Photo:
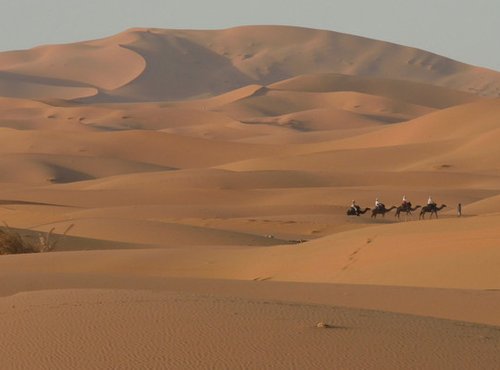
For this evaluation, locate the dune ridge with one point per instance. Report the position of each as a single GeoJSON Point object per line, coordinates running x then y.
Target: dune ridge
{"type": "Point", "coordinates": [154, 63]}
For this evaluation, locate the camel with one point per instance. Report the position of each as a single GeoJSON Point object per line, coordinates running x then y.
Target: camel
{"type": "Point", "coordinates": [350, 211]}
{"type": "Point", "coordinates": [408, 210]}
{"type": "Point", "coordinates": [381, 211]}
{"type": "Point", "coordinates": [432, 208]}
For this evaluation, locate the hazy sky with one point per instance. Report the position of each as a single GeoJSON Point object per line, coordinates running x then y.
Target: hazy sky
{"type": "Point", "coordinates": [465, 30]}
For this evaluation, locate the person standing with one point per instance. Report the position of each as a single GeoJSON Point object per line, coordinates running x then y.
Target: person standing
{"type": "Point", "coordinates": [459, 210]}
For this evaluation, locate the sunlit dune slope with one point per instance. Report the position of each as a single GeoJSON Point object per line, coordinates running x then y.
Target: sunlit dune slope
{"type": "Point", "coordinates": [448, 253]}
{"type": "Point", "coordinates": [460, 138]}
{"type": "Point", "coordinates": [427, 95]}
{"type": "Point", "coordinates": [63, 156]}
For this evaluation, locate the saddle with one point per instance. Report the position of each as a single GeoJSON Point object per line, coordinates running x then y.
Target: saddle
{"type": "Point", "coordinates": [432, 206]}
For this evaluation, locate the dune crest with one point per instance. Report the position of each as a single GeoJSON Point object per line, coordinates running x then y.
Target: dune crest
{"type": "Point", "coordinates": [159, 64]}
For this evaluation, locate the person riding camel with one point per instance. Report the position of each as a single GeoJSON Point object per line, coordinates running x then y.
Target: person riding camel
{"type": "Point", "coordinates": [355, 207]}
{"type": "Point", "coordinates": [405, 204]}
{"type": "Point", "coordinates": [378, 204]}
{"type": "Point", "coordinates": [431, 203]}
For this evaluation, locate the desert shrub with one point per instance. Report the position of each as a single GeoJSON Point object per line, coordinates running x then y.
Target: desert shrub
{"type": "Point", "coordinates": [12, 242]}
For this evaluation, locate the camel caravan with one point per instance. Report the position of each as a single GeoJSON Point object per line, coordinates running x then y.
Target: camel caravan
{"type": "Point", "coordinates": [405, 208]}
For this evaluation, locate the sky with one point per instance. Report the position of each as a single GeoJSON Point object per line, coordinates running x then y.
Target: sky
{"type": "Point", "coordinates": [464, 30]}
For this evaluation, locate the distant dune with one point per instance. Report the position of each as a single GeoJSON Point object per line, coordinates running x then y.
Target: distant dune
{"type": "Point", "coordinates": [157, 64]}
{"type": "Point", "coordinates": [428, 95]}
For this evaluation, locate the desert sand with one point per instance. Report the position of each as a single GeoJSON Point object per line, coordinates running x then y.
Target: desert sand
{"type": "Point", "coordinates": [207, 176]}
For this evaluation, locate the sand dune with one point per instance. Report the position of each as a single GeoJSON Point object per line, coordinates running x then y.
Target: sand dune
{"type": "Point", "coordinates": [462, 254]}
{"type": "Point", "coordinates": [163, 149]}
{"type": "Point", "coordinates": [43, 168]}
{"type": "Point", "coordinates": [410, 92]}
{"type": "Point", "coordinates": [173, 324]}
{"type": "Point", "coordinates": [155, 64]}
{"type": "Point", "coordinates": [92, 63]}
{"type": "Point", "coordinates": [321, 119]}
{"type": "Point", "coordinates": [485, 206]}
{"type": "Point", "coordinates": [464, 121]}
{"type": "Point", "coordinates": [20, 86]}
{"type": "Point", "coordinates": [207, 176]}
{"type": "Point", "coordinates": [276, 103]}
{"type": "Point", "coordinates": [455, 139]}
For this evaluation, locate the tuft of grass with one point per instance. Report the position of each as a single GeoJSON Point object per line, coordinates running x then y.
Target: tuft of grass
{"type": "Point", "coordinates": [11, 242]}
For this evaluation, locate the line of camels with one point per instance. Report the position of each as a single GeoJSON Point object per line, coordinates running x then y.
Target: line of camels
{"type": "Point", "coordinates": [407, 209]}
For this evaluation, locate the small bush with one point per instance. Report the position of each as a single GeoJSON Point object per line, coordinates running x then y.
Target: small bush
{"type": "Point", "coordinates": [11, 242]}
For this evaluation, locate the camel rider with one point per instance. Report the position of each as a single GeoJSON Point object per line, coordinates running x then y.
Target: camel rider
{"type": "Point", "coordinates": [430, 202]}
{"type": "Point", "coordinates": [405, 202]}
{"type": "Point", "coordinates": [354, 207]}
{"type": "Point", "coordinates": [378, 205]}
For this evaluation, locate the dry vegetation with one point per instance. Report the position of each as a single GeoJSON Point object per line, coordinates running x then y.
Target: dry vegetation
{"type": "Point", "coordinates": [12, 242]}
